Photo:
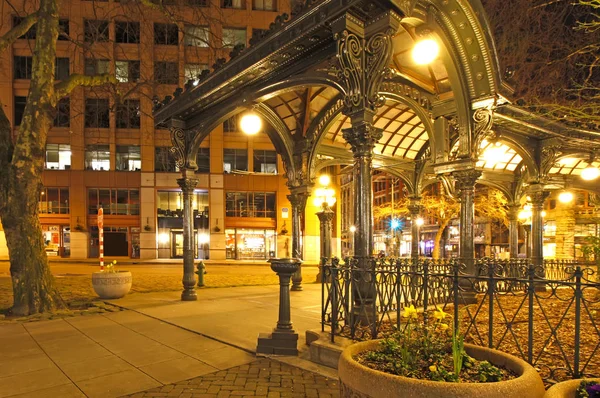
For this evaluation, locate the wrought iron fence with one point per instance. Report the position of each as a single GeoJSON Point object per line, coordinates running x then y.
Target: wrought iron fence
{"type": "Point", "coordinates": [548, 315]}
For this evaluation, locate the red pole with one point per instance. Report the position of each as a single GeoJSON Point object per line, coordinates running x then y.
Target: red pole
{"type": "Point", "coordinates": [101, 237]}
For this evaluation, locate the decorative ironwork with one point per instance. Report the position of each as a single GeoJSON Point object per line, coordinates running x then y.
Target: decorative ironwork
{"type": "Point", "coordinates": [549, 156]}
{"type": "Point", "coordinates": [543, 314]}
{"type": "Point", "coordinates": [181, 140]}
{"type": "Point", "coordinates": [363, 66]}
{"type": "Point", "coordinates": [483, 119]}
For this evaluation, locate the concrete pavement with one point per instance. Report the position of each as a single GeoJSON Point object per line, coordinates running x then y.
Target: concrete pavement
{"type": "Point", "coordinates": [159, 341]}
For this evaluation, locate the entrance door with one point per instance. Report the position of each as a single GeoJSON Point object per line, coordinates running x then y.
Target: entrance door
{"type": "Point", "coordinates": [66, 241]}
{"type": "Point", "coordinates": [177, 244]}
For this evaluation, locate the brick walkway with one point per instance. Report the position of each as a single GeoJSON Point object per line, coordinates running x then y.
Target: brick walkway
{"type": "Point", "coordinates": [262, 378]}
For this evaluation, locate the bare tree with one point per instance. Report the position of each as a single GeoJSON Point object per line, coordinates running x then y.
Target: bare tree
{"type": "Point", "coordinates": [550, 52]}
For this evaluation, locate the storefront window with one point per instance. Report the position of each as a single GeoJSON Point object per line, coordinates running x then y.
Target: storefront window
{"type": "Point", "coordinates": [250, 244]}
{"type": "Point", "coordinates": [170, 224]}
{"type": "Point", "coordinates": [250, 204]}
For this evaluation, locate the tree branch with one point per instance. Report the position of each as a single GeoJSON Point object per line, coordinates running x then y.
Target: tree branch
{"type": "Point", "coordinates": [18, 31]}
{"type": "Point", "coordinates": [65, 87]}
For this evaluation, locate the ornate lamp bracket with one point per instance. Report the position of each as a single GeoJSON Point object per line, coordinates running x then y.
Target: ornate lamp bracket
{"type": "Point", "coordinates": [482, 121]}
{"type": "Point", "coordinates": [182, 145]}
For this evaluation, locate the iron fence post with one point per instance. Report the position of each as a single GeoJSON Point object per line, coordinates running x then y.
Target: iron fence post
{"type": "Point", "coordinates": [578, 296]}
{"type": "Point", "coordinates": [398, 292]}
{"type": "Point", "coordinates": [324, 270]}
{"type": "Point", "coordinates": [491, 286]}
{"type": "Point", "coordinates": [425, 289]}
{"type": "Point", "coordinates": [334, 302]}
{"type": "Point", "coordinates": [376, 292]}
{"type": "Point", "coordinates": [530, 293]}
{"type": "Point", "coordinates": [455, 285]}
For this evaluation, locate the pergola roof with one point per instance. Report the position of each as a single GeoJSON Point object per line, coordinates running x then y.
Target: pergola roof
{"type": "Point", "coordinates": [291, 77]}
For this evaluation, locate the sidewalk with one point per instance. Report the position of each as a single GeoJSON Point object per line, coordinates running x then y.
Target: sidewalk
{"type": "Point", "coordinates": [161, 346]}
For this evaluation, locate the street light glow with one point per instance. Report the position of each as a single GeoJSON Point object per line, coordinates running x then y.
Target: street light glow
{"type": "Point", "coordinates": [420, 221]}
{"type": "Point", "coordinates": [590, 173]}
{"type": "Point", "coordinates": [250, 123]}
{"type": "Point", "coordinates": [565, 197]}
{"type": "Point", "coordinates": [395, 223]}
{"type": "Point", "coordinates": [425, 51]}
{"type": "Point", "coordinates": [352, 229]}
{"type": "Point", "coordinates": [163, 238]}
{"type": "Point", "coordinates": [324, 180]}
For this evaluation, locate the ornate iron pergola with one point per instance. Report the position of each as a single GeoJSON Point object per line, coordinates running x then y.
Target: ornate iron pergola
{"type": "Point", "coordinates": [336, 84]}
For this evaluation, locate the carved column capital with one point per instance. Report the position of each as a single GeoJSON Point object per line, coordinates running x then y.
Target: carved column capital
{"type": "Point", "coordinates": [187, 184]}
{"type": "Point", "coordinates": [537, 194]}
{"type": "Point", "coordinates": [466, 179]}
{"type": "Point", "coordinates": [513, 211]}
{"type": "Point", "coordinates": [414, 205]}
{"type": "Point", "coordinates": [298, 200]}
{"type": "Point", "coordinates": [362, 138]}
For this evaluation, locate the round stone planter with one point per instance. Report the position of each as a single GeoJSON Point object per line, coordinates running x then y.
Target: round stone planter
{"type": "Point", "coordinates": [565, 389]}
{"type": "Point", "coordinates": [358, 381]}
{"type": "Point", "coordinates": [111, 285]}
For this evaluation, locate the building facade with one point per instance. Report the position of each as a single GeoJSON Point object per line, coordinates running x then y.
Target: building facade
{"type": "Point", "coordinates": [104, 150]}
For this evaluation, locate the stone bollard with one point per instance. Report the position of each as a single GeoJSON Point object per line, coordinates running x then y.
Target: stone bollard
{"type": "Point", "coordinates": [283, 340]}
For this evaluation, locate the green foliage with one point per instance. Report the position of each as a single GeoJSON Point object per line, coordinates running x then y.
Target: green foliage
{"type": "Point", "coordinates": [591, 249]}
{"type": "Point", "coordinates": [458, 350]}
{"type": "Point", "coordinates": [429, 351]}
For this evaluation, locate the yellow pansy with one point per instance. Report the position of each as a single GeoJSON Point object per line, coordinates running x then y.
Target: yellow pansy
{"type": "Point", "coordinates": [433, 368]}
{"type": "Point", "coordinates": [443, 326]}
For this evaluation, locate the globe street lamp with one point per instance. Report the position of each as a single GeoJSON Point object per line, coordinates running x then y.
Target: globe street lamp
{"type": "Point", "coordinates": [324, 199]}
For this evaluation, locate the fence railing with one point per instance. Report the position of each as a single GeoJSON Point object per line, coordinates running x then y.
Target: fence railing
{"type": "Point", "coordinates": [548, 315]}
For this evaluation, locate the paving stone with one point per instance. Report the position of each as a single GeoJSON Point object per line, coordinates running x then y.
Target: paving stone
{"type": "Point", "coordinates": [261, 378]}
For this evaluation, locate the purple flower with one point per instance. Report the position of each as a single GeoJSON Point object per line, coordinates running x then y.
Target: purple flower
{"type": "Point", "coordinates": [593, 390]}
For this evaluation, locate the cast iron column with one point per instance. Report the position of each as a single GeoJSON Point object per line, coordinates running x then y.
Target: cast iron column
{"type": "Point", "coordinates": [362, 137]}
{"type": "Point", "coordinates": [325, 218]}
{"type": "Point", "coordinates": [187, 185]}
{"type": "Point", "coordinates": [298, 202]}
{"type": "Point", "coordinates": [537, 195]}
{"type": "Point", "coordinates": [414, 207]}
{"type": "Point", "coordinates": [513, 230]}
{"type": "Point", "coordinates": [465, 184]}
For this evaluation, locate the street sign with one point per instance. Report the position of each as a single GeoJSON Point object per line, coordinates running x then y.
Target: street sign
{"type": "Point", "coordinates": [101, 218]}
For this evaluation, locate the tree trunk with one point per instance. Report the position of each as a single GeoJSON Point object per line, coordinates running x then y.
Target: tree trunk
{"type": "Point", "coordinates": [21, 167]}
{"type": "Point", "coordinates": [438, 239]}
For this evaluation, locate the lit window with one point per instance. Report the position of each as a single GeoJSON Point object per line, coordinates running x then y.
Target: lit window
{"type": "Point", "coordinates": [196, 36]}
{"type": "Point", "coordinates": [58, 156]}
{"type": "Point", "coordinates": [235, 160]}
{"type": "Point", "coordinates": [128, 158]}
{"type": "Point", "coordinates": [97, 157]}
{"type": "Point", "coordinates": [265, 162]}
{"type": "Point", "coordinates": [127, 71]}
{"type": "Point", "coordinates": [234, 36]}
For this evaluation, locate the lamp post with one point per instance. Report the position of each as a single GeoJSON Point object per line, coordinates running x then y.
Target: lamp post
{"type": "Point", "coordinates": [324, 198]}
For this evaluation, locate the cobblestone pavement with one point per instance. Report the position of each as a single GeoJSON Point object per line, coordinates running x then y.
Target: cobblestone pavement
{"type": "Point", "coordinates": [262, 378]}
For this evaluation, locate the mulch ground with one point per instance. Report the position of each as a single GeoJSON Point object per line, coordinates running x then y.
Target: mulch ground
{"type": "Point", "coordinates": [553, 334]}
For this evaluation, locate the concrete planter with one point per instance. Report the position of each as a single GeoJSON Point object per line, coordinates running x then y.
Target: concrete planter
{"type": "Point", "coordinates": [111, 285]}
{"type": "Point", "coordinates": [565, 389]}
{"type": "Point", "coordinates": [358, 381]}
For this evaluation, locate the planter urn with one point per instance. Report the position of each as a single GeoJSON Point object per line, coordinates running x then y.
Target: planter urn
{"type": "Point", "coordinates": [566, 389]}
{"type": "Point", "coordinates": [111, 285]}
{"type": "Point", "coordinates": [359, 381]}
